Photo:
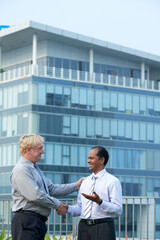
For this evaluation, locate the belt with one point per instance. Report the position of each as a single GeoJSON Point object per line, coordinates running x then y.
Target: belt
{"type": "Point", "coordinates": [91, 222]}
{"type": "Point", "coordinates": [31, 213]}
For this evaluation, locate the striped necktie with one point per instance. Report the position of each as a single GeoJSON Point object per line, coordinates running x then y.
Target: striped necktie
{"type": "Point", "coordinates": [41, 175]}
{"type": "Point", "coordinates": [88, 207]}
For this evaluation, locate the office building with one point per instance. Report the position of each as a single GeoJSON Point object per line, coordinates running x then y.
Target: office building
{"type": "Point", "coordinates": [78, 92]}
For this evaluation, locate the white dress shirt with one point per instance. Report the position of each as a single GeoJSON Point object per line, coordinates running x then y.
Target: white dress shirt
{"type": "Point", "coordinates": [108, 188]}
{"type": "Point", "coordinates": [28, 190]}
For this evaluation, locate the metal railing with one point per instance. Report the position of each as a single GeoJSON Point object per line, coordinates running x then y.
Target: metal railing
{"type": "Point", "coordinates": [140, 219]}
{"type": "Point", "coordinates": [76, 75]}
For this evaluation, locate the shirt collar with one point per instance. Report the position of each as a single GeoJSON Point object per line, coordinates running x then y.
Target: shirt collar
{"type": "Point", "coordinates": [99, 174]}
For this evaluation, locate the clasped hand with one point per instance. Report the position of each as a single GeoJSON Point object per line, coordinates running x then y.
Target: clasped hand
{"type": "Point", "coordinates": [62, 209]}
{"type": "Point", "coordinates": [95, 197]}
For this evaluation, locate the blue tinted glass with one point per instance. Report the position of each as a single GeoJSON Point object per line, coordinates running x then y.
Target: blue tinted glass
{"type": "Point", "coordinates": [120, 161]}
{"type": "Point", "coordinates": [74, 65]}
{"type": "Point", "coordinates": [121, 102]}
{"type": "Point", "coordinates": [50, 62]}
{"type": "Point", "coordinates": [87, 66]}
{"type": "Point", "coordinates": [82, 127]}
{"type": "Point", "coordinates": [81, 66]}
{"type": "Point", "coordinates": [135, 131]}
{"type": "Point", "coordinates": [114, 157]}
{"type": "Point", "coordinates": [128, 102]}
{"type": "Point", "coordinates": [126, 72]}
{"type": "Point", "coordinates": [58, 62]}
{"type": "Point", "coordinates": [150, 132]}
{"type": "Point", "coordinates": [136, 73]}
{"type": "Point", "coordinates": [65, 64]}
{"type": "Point", "coordinates": [120, 71]}
{"type": "Point", "coordinates": [82, 156]}
{"type": "Point", "coordinates": [121, 129]}
{"type": "Point", "coordinates": [136, 104]}
{"type": "Point", "coordinates": [143, 131]}
{"type": "Point", "coordinates": [104, 69]}
{"type": "Point", "coordinates": [128, 130]}
{"type": "Point", "coordinates": [97, 67]}
{"type": "Point", "coordinates": [136, 157]}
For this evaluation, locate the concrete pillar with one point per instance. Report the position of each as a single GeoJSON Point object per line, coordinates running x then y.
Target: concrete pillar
{"type": "Point", "coordinates": [34, 54]}
{"type": "Point", "coordinates": [142, 73]}
{"type": "Point", "coordinates": [91, 65]}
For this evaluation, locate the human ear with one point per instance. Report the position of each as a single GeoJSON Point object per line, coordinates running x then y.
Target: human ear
{"type": "Point", "coordinates": [102, 160]}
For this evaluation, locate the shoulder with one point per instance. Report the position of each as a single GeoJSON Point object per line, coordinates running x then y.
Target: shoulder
{"type": "Point", "coordinates": [86, 180]}
{"type": "Point", "coordinates": [20, 169]}
{"type": "Point", "coordinates": [111, 178]}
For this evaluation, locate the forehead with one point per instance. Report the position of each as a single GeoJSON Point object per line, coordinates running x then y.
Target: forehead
{"type": "Point", "coordinates": [93, 152]}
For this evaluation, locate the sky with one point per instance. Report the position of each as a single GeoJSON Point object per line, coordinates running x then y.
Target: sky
{"type": "Point", "coordinates": [130, 23]}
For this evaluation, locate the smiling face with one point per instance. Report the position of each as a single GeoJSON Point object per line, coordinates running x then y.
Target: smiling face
{"type": "Point", "coordinates": [34, 153]}
{"type": "Point", "coordinates": [96, 164]}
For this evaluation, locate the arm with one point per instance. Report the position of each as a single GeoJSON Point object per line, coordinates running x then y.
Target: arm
{"type": "Point", "coordinates": [114, 205]}
{"type": "Point", "coordinates": [74, 210]}
{"type": "Point", "coordinates": [62, 189]}
{"type": "Point", "coordinates": [25, 185]}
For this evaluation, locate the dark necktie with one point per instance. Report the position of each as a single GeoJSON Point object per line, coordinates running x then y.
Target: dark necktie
{"type": "Point", "coordinates": [88, 207]}
{"type": "Point", "coordinates": [41, 175]}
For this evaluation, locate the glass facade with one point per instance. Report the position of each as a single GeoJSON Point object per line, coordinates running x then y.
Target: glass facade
{"type": "Point", "coordinates": [74, 118]}
{"type": "Point", "coordinates": [74, 115]}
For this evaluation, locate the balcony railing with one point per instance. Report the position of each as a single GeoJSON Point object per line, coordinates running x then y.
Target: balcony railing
{"type": "Point", "coordinates": [76, 75]}
{"type": "Point", "coordinates": [140, 219]}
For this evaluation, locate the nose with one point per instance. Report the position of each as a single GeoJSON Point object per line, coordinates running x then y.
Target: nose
{"type": "Point", "coordinates": [43, 151]}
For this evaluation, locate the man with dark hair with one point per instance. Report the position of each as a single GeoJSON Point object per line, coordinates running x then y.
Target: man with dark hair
{"type": "Point", "coordinates": [99, 200]}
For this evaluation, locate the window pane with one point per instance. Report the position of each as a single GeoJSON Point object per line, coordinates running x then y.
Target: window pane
{"type": "Point", "coordinates": [74, 155]}
{"type": "Point", "coordinates": [98, 126]}
{"type": "Point", "coordinates": [90, 127]}
{"type": "Point", "coordinates": [49, 153]}
{"type": "Point", "coordinates": [135, 131]}
{"type": "Point", "coordinates": [150, 132]}
{"type": "Point", "coordinates": [82, 156]}
{"type": "Point", "coordinates": [113, 101]}
{"type": "Point", "coordinates": [157, 133]}
{"type": "Point", "coordinates": [106, 103]}
{"type": "Point", "coordinates": [128, 130]}
{"type": "Point", "coordinates": [142, 131]}
{"type": "Point", "coordinates": [41, 94]}
{"type": "Point", "coordinates": [121, 102]}
{"type": "Point", "coordinates": [106, 128]}
{"type": "Point", "coordinates": [82, 127]}
{"type": "Point", "coordinates": [74, 125]}
{"type": "Point", "coordinates": [128, 104]}
{"type": "Point", "coordinates": [143, 105]}
{"type": "Point", "coordinates": [57, 154]}
{"type": "Point", "coordinates": [136, 104]}
{"type": "Point", "coordinates": [114, 128]}
{"type": "Point", "coordinates": [98, 100]}
{"type": "Point", "coordinates": [90, 99]}
{"type": "Point", "coordinates": [121, 129]}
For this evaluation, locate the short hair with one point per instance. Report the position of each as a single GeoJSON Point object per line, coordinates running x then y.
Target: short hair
{"type": "Point", "coordinates": [102, 152]}
{"type": "Point", "coordinates": [29, 140]}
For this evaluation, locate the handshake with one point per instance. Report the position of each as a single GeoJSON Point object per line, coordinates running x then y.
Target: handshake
{"type": "Point", "coordinates": [62, 209]}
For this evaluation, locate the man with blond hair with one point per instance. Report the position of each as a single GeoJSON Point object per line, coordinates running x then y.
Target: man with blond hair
{"type": "Point", "coordinates": [33, 193]}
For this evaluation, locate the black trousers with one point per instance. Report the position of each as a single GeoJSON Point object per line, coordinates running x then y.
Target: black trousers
{"type": "Point", "coordinates": [100, 231]}
{"type": "Point", "coordinates": [26, 226]}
